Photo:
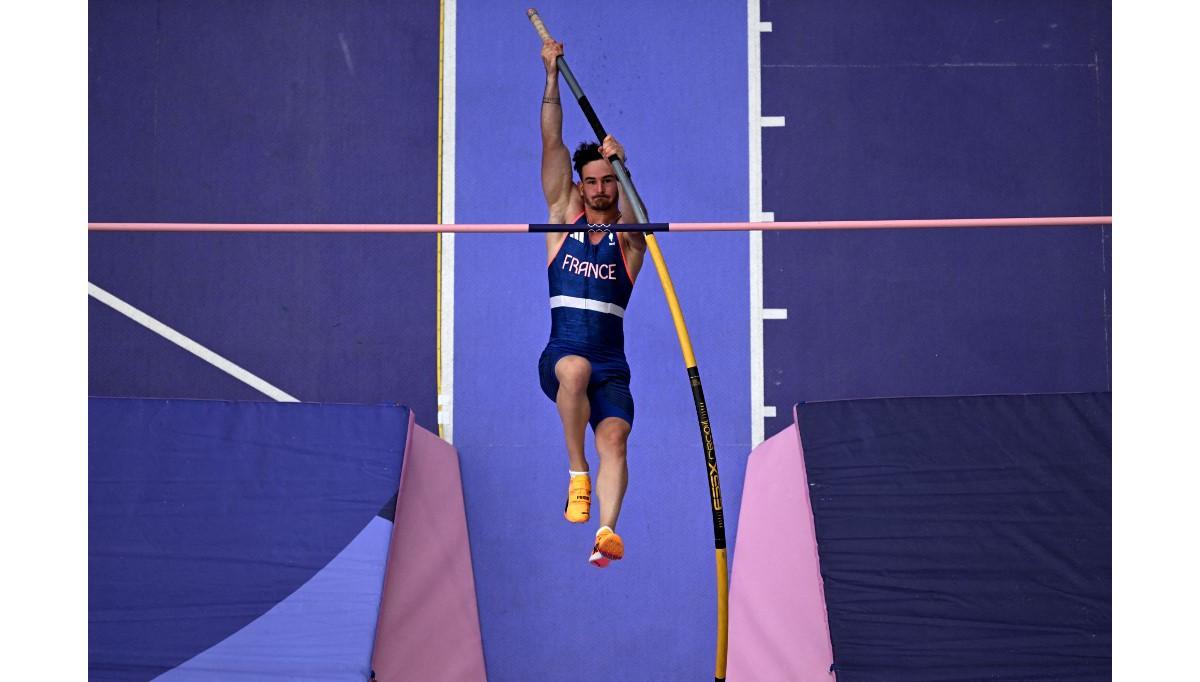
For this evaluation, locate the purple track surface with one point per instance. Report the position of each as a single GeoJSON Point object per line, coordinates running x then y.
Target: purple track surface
{"type": "Point", "coordinates": [674, 94]}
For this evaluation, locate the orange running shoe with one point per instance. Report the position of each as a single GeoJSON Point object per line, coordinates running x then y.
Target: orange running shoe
{"type": "Point", "coordinates": [579, 500]}
{"type": "Point", "coordinates": [608, 548]}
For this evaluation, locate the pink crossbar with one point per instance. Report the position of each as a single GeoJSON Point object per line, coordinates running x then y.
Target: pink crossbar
{"type": "Point", "coordinates": [1060, 221]}
{"type": "Point", "coordinates": [302, 227]}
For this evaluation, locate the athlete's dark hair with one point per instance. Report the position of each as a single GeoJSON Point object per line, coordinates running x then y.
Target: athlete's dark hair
{"type": "Point", "coordinates": [586, 153]}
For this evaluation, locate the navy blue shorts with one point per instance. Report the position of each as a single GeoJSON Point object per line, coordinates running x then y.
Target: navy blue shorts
{"type": "Point", "coordinates": [608, 387]}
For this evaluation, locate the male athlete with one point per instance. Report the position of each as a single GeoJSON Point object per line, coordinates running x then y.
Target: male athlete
{"type": "Point", "coordinates": [592, 271]}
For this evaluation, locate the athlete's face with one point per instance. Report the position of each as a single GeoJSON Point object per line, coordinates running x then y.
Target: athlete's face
{"type": "Point", "coordinates": [599, 186]}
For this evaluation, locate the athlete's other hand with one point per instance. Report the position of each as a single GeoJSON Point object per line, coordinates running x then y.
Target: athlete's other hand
{"type": "Point", "coordinates": [551, 51]}
{"type": "Point", "coordinates": [610, 147]}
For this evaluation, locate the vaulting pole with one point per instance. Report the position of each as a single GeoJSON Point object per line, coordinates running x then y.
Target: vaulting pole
{"type": "Point", "coordinates": [689, 359]}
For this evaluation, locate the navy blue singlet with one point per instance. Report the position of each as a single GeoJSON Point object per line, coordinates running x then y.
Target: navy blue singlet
{"type": "Point", "coordinates": [589, 291]}
{"type": "Point", "coordinates": [590, 288]}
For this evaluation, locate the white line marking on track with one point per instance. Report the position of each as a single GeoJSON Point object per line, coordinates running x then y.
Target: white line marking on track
{"type": "Point", "coordinates": [449, 78]}
{"type": "Point", "coordinates": [772, 121]}
{"type": "Point", "coordinates": [754, 95]}
{"type": "Point", "coordinates": [768, 410]}
{"type": "Point", "coordinates": [189, 345]}
{"type": "Point", "coordinates": [764, 26]}
{"type": "Point", "coordinates": [774, 313]}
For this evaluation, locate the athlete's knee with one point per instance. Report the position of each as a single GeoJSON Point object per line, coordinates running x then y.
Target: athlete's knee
{"type": "Point", "coordinates": [612, 437]}
{"type": "Point", "coordinates": [573, 373]}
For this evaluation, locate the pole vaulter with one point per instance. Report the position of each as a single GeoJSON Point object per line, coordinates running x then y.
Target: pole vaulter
{"type": "Point", "coordinates": [648, 229]}
{"type": "Point", "coordinates": [689, 359]}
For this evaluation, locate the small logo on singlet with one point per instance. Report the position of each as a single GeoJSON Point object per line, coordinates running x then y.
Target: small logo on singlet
{"type": "Point", "coordinates": [601, 227]}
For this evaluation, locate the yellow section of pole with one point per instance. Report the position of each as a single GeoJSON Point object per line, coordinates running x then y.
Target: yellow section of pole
{"type": "Point", "coordinates": [660, 264]}
{"type": "Point", "coordinates": [689, 359]}
{"type": "Point", "coordinates": [722, 612]}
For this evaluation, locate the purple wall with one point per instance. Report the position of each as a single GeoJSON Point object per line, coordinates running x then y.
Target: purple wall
{"type": "Point", "coordinates": [929, 109]}
{"type": "Point", "coordinates": [265, 112]}
{"type": "Point", "coordinates": [271, 111]}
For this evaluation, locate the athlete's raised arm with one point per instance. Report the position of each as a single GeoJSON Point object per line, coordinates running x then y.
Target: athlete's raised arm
{"type": "Point", "coordinates": [556, 160]}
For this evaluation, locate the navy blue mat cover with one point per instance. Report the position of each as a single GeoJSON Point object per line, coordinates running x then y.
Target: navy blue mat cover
{"type": "Point", "coordinates": [243, 538]}
{"type": "Point", "coordinates": [964, 538]}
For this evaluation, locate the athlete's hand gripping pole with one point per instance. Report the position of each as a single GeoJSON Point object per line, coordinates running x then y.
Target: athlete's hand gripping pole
{"type": "Point", "coordinates": [685, 345]}
{"type": "Point", "coordinates": [618, 166]}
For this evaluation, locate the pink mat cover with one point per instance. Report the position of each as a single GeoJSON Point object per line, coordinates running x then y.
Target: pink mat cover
{"type": "Point", "coordinates": [778, 625]}
{"type": "Point", "coordinates": [428, 626]}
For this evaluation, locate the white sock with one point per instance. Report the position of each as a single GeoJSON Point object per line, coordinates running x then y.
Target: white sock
{"type": "Point", "coordinates": [577, 473]}
{"type": "Point", "coordinates": [602, 528]}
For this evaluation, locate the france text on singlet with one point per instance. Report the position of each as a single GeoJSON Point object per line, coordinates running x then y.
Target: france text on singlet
{"type": "Point", "coordinates": [589, 291]}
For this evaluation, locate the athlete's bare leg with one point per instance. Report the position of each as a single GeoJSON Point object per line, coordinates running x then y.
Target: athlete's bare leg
{"type": "Point", "coordinates": [573, 373]}
{"type": "Point", "coordinates": [612, 435]}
